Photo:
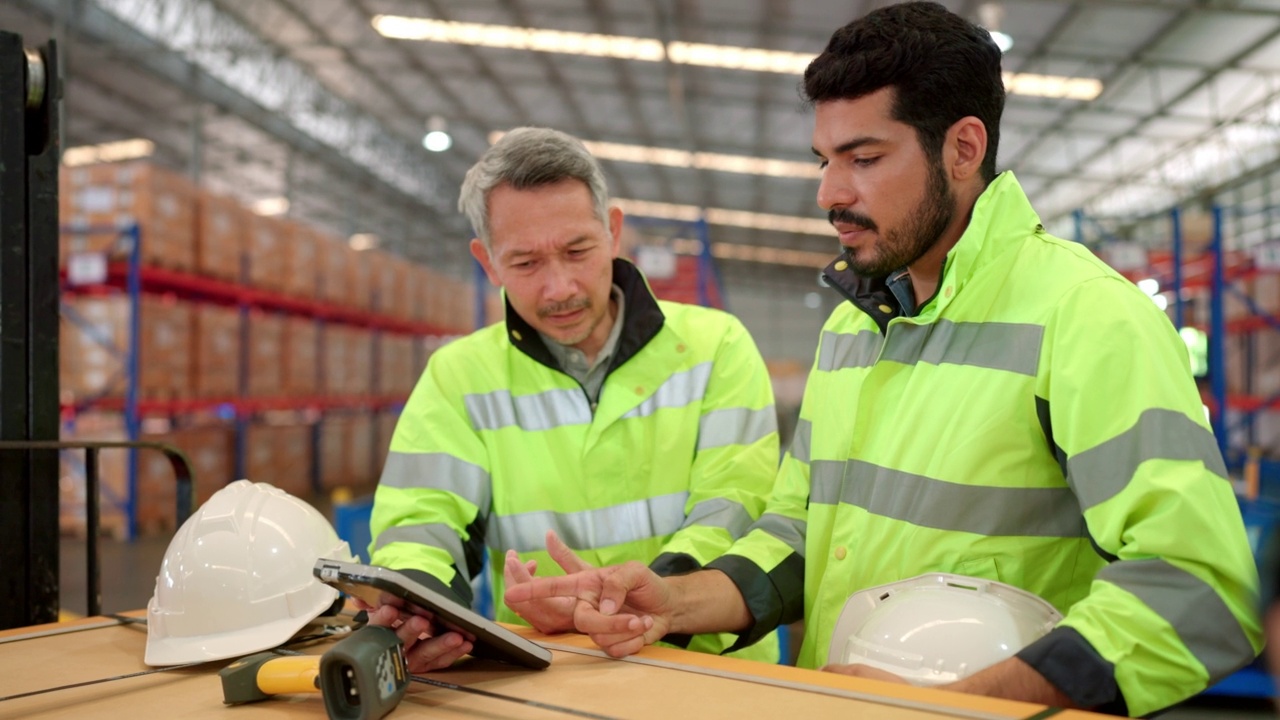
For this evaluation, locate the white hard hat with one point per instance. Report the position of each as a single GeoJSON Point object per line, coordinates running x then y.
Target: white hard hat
{"type": "Point", "coordinates": [938, 628]}
{"type": "Point", "coordinates": [237, 579]}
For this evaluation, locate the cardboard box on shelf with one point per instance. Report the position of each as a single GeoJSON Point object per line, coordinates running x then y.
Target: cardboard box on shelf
{"type": "Point", "coordinates": [396, 374]}
{"type": "Point", "coordinates": [267, 251]}
{"type": "Point", "coordinates": [335, 361]}
{"type": "Point", "coordinates": [112, 477]}
{"type": "Point", "coordinates": [115, 195]}
{"type": "Point", "coordinates": [347, 457]}
{"type": "Point", "coordinates": [221, 226]}
{"type": "Point", "coordinates": [211, 452]}
{"type": "Point", "coordinates": [301, 262]}
{"type": "Point", "coordinates": [301, 356]}
{"type": "Point", "coordinates": [280, 454]}
{"type": "Point", "coordinates": [215, 367]}
{"type": "Point", "coordinates": [360, 356]}
{"type": "Point", "coordinates": [94, 338]}
{"type": "Point", "coordinates": [332, 454]}
{"type": "Point", "coordinates": [386, 424]}
{"type": "Point", "coordinates": [358, 279]}
{"type": "Point", "coordinates": [331, 263]}
{"type": "Point", "coordinates": [266, 354]}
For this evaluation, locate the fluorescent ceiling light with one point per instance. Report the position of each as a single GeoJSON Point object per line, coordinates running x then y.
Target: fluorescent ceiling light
{"type": "Point", "coordinates": [108, 152]}
{"type": "Point", "coordinates": [722, 216]}
{"type": "Point", "coordinates": [1002, 40]}
{"type": "Point", "coordinates": [363, 241]}
{"type": "Point", "coordinates": [754, 253]}
{"type": "Point", "coordinates": [437, 141]}
{"type": "Point", "coordinates": [271, 206]}
{"type": "Point", "coordinates": [673, 157]}
{"type": "Point", "coordinates": [652, 50]}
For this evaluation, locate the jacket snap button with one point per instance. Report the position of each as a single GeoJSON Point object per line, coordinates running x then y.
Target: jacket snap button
{"type": "Point", "coordinates": [841, 266]}
{"type": "Point", "coordinates": [886, 309]}
{"type": "Point", "coordinates": [516, 334]}
{"type": "Point", "coordinates": [841, 552]}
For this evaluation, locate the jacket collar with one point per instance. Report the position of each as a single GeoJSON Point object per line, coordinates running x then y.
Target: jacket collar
{"type": "Point", "coordinates": [640, 322]}
{"type": "Point", "coordinates": [1001, 216]}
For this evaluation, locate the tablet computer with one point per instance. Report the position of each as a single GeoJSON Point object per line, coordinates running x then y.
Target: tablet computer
{"type": "Point", "coordinates": [379, 586]}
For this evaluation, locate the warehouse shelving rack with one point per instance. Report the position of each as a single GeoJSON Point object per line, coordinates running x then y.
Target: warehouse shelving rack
{"type": "Point", "coordinates": [132, 278]}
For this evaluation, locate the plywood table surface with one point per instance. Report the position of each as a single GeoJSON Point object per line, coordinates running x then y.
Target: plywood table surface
{"type": "Point", "coordinates": [658, 683]}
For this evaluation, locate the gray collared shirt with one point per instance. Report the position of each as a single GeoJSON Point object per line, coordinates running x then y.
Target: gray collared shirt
{"type": "Point", "coordinates": [574, 361]}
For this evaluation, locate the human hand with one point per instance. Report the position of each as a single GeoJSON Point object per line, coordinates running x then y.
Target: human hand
{"type": "Point", "coordinates": [547, 615]}
{"type": "Point", "coordinates": [864, 671]}
{"type": "Point", "coordinates": [426, 647]}
{"type": "Point", "coordinates": [622, 607]}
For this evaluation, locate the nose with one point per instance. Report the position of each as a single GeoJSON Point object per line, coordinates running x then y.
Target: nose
{"type": "Point", "coordinates": [834, 190]}
{"type": "Point", "coordinates": [558, 283]}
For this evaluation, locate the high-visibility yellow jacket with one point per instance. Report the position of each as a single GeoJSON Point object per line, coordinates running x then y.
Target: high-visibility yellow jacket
{"type": "Point", "coordinates": [1035, 423]}
{"type": "Point", "coordinates": [497, 444]}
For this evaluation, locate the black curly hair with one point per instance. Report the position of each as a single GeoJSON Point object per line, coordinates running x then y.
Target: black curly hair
{"type": "Point", "coordinates": [941, 67]}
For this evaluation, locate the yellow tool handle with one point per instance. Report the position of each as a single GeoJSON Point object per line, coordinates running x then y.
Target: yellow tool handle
{"type": "Point", "coordinates": [295, 674]}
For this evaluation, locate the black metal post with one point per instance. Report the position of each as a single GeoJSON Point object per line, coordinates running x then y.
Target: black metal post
{"type": "Point", "coordinates": [91, 516]}
{"type": "Point", "coordinates": [29, 408]}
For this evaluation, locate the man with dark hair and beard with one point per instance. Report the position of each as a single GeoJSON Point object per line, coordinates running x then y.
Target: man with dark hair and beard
{"type": "Point", "coordinates": [991, 402]}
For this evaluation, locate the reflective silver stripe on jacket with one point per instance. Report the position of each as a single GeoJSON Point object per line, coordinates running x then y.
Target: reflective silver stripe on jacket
{"type": "Point", "coordinates": [838, 351]}
{"type": "Point", "coordinates": [436, 535]}
{"type": "Point", "coordinates": [438, 471]}
{"type": "Point", "coordinates": [539, 411]}
{"type": "Point", "coordinates": [590, 529]}
{"type": "Point", "coordinates": [1101, 472]}
{"type": "Point", "coordinates": [801, 440]}
{"type": "Point", "coordinates": [1191, 606]}
{"type": "Point", "coordinates": [677, 391]}
{"type": "Point", "coordinates": [983, 510]}
{"type": "Point", "coordinates": [736, 426]}
{"type": "Point", "coordinates": [788, 530]}
{"type": "Point", "coordinates": [1014, 347]}
{"type": "Point", "coordinates": [720, 513]}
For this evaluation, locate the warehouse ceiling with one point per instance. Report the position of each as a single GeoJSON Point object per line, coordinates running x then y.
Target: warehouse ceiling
{"type": "Point", "coordinates": [305, 99]}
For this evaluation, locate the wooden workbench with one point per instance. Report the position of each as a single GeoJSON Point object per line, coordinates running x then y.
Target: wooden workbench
{"type": "Point", "coordinates": [657, 683]}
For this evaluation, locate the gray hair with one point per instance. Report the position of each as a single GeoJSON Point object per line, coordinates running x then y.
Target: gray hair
{"type": "Point", "coordinates": [527, 158]}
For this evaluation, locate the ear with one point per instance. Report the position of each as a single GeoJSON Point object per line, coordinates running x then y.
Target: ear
{"type": "Point", "coordinates": [615, 229]}
{"type": "Point", "coordinates": [481, 254]}
{"type": "Point", "coordinates": [964, 148]}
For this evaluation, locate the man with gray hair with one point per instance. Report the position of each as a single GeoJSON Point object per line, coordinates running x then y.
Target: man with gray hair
{"type": "Point", "coordinates": [594, 417]}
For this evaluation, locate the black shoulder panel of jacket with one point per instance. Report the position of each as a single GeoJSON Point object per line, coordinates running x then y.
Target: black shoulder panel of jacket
{"type": "Point", "coordinates": [640, 323]}
{"type": "Point", "coordinates": [1071, 664]}
{"type": "Point", "coordinates": [769, 606]}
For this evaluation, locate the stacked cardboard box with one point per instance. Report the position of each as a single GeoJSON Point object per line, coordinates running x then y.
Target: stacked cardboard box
{"type": "Point", "coordinates": [386, 424]}
{"type": "Point", "coordinates": [221, 226]}
{"type": "Point", "coordinates": [266, 354]}
{"type": "Point", "coordinates": [162, 203]}
{"type": "Point", "coordinates": [215, 367]}
{"type": "Point", "coordinates": [300, 260]}
{"type": "Point", "coordinates": [347, 451]}
{"type": "Point", "coordinates": [301, 366]}
{"type": "Point", "coordinates": [396, 373]}
{"type": "Point", "coordinates": [112, 476]}
{"type": "Point", "coordinates": [210, 450]}
{"type": "Point", "coordinates": [331, 264]}
{"type": "Point", "coordinates": [267, 249]}
{"type": "Point", "coordinates": [280, 455]}
{"type": "Point", "coordinates": [95, 342]}
{"type": "Point", "coordinates": [359, 281]}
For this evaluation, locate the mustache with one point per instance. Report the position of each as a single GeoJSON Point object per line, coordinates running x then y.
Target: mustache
{"type": "Point", "coordinates": [849, 217]}
{"type": "Point", "coordinates": [564, 307]}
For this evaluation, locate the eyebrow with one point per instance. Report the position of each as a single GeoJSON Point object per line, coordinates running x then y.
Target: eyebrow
{"type": "Point", "coordinates": [853, 144]}
{"type": "Point", "coordinates": [572, 243]}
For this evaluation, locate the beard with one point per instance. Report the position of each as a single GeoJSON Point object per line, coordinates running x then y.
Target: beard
{"type": "Point", "coordinates": [901, 246]}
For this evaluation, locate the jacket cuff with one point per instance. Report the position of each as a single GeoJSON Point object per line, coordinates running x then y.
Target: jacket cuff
{"type": "Point", "coordinates": [1071, 664]}
{"type": "Point", "coordinates": [668, 564]}
{"type": "Point", "coordinates": [766, 594]}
